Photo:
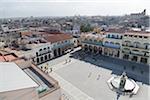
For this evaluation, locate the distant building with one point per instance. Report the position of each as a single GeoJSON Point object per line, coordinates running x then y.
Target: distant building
{"type": "Point", "coordinates": [8, 36]}
{"type": "Point", "coordinates": [139, 14]}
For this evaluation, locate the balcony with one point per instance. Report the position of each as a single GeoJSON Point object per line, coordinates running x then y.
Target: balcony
{"type": "Point", "coordinates": [112, 45]}
{"type": "Point", "coordinates": [138, 47]}
{"type": "Point", "coordinates": [126, 51]}
{"type": "Point", "coordinates": [114, 36]}
{"type": "Point", "coordinates": [62, 45]}
{"type": "Point", "coordinates": [43, 52]}
{"type": "Point", "coordinates": [93, 43]}
{"type": "Point", "coordinates": [137, 53]}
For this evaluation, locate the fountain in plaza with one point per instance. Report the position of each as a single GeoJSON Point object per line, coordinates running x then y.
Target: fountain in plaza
{"type": "Point", "coordinates": [123, 85]}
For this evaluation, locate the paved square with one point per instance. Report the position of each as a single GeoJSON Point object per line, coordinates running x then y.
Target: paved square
{"type": "Point", "coordinates": [92, 79]}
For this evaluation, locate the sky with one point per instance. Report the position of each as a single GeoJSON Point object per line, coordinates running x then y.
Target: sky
{"type": "Point", "coordinates": [26, 8]}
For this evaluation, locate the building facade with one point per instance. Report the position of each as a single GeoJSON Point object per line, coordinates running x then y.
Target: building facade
{"type": "Point", "coordinates": [42, 53]}
{"type": "Point", "coordinates": [136, 47]}
{"type": "Point", "coordinates": [56, 45]}
{"type": "Point", "coordinates": [131, 46]}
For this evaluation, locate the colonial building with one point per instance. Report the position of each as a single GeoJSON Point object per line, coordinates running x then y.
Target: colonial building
{"type": "Point", "coordinates": [112, 43]}
{"type": "Point", "coordinates": [9, 37]}
{"type": "Point", "coordinates": [56, 45]}
{"type": "Point", "coordinates": [42, 53]}
{"type": "Point", "coordinates": [136, 47]}
{"type": "Point", "coordinates": [92, 43]}
{"type": "Point", "coordinates": [60, 43]}
{"type": "Point", "coordinates": [132, 46]}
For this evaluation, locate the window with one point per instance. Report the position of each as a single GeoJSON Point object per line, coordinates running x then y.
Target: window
{"type": "Point", "coordinates": [140, 36]}
{"type": "Point", "coordinates": [108, 35]}
{"type": "Point", "coordinates": [134, 58]}
{"type": "Point", "coordinates": [36, 53]}
{"type": "Point", "coordinates": [106, 42]}
{"type": "Point", "coordinates": [95, 40]}
{"type": "Point", "coordinates": [113, 36]}
{"type": "Point", "coordinates": [90, 39]}
{"type": "Point", "coordinates": [49, 56]}
{"type": "Point", "coordinates": [125, 35]}
{"type": "Point", "coordinates": [40, 50]}
{"type": "Point", "coordinates": [146, 45]}
{"type": "Point", "coordinates": [144, 60]}
{"type": "Point", "coordinates": [126, 56]}
{"type": "Point", "coordinates": [41, 59]}
{"type": "Point", "coordinates": [117, 43]}
{"type": "Point", "coordinates": [45, 57]}
{"type": "Point", "coordinates": [145, 37]}
{"type": "Point", "coordinates": [135, 36]}
{"type": "Point", "coordinates": [120, 37]}
{"type": "Point", "coordinates": [111, 42]}
{"type": "Point", "coordinates": [37, 60]}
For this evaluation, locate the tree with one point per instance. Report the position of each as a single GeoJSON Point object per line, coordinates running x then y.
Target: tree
{"type": "Point", "coordinates": [86, 28]}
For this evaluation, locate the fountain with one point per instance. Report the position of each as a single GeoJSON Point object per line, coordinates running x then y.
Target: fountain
{"type": "Point", "coordinates": [123, 85]}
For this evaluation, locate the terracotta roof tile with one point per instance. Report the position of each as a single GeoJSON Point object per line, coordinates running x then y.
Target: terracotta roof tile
{"type": "Point", "coordinates": [2, 59]}
{"type": "Point", "coordinates": [57, 37]}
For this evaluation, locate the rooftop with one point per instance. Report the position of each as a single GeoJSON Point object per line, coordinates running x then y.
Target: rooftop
{"type": "Point", "coordinates": [13, 78]}
{"type": "Point", "coordinates": [7, 57]}
{"type": "Point", "coordinates": [138, 33]}
{"type": "Point", "coordinates": [57, 37]}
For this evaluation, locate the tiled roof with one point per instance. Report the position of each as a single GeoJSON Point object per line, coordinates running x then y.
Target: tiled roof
{"type": "Point", "coordinates": [116, 30]}
{"type": "Point", "coordinates": [2, 59]}
{"type": "Point", "coordinates": [138, 33]}
{"type": "Point", "coordinates": [57, 37]}
{"type": "Point", "coordinates": [7, 57]}
{"type": "Point", "coordinates": [26, 33]}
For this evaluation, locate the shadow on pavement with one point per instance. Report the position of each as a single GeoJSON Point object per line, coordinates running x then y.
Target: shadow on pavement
{"type": "Point", "coordinates": [138, 72]}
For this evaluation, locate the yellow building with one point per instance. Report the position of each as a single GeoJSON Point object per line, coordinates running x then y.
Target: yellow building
{"type": "Point", "coordinates": [131, 46]}
{"type": "Point", "coordinates": [112, 44]}
{"type": "Point", "coordinates": [136, 47]}
{"type": "Point", "coordinates": [92, 43]}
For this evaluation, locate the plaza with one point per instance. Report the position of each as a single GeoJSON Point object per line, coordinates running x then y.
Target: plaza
{"type": "Point", "coordinates": [90, 79]}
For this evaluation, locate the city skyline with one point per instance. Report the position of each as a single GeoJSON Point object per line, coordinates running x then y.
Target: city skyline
{"type": "Point", "coordinates": [36, 8]}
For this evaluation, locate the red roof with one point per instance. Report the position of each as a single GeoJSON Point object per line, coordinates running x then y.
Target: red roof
{"type": "Point", "coordinates": [2, 59]}
{"type": "Point", "coordinates": [9, 57]}
{"type": "Point", "coordinates": [57, 37]}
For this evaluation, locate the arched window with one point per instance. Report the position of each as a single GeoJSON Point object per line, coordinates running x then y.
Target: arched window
{"type": "Point", "coordinates": [108, 35]}
{"type": "Point", "coordinates": [117, 43]}
{"type": "Point", "coordinates": [37, 60]}
{"type": "Point", "coordinates": [40, 50]}
{"type": "Point", "coordinates": [45, 57]}
{"type": "Point", "coordinates": [146, 45]}
{"type": "Point", "coordinates": [136, 44]}
{"type": "Point", "coordinates": [121, 37]}
{"type": "Point", "coordinates": [41, 59]}
{"type": "Point", "coordinates": [49, 56]}
{"type": "Point", "coordinates": [90, 39]}
{"type": "Point", "coordinates": [36, 53]}
{"type": "Point", "coordinates": [106, 42]}
{"type": "Point", "coordinates": [111, 42]}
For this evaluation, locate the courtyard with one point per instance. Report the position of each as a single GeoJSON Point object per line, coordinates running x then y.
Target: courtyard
{"type": "Point", "coordinates": [87, 79]}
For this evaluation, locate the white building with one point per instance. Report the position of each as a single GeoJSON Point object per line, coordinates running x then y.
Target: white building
{"type": "Point", "coordinates": [26, 83]}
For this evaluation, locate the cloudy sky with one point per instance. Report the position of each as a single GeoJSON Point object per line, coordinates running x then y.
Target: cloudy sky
{"type": "Point", "coordinates": [25, 8]}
